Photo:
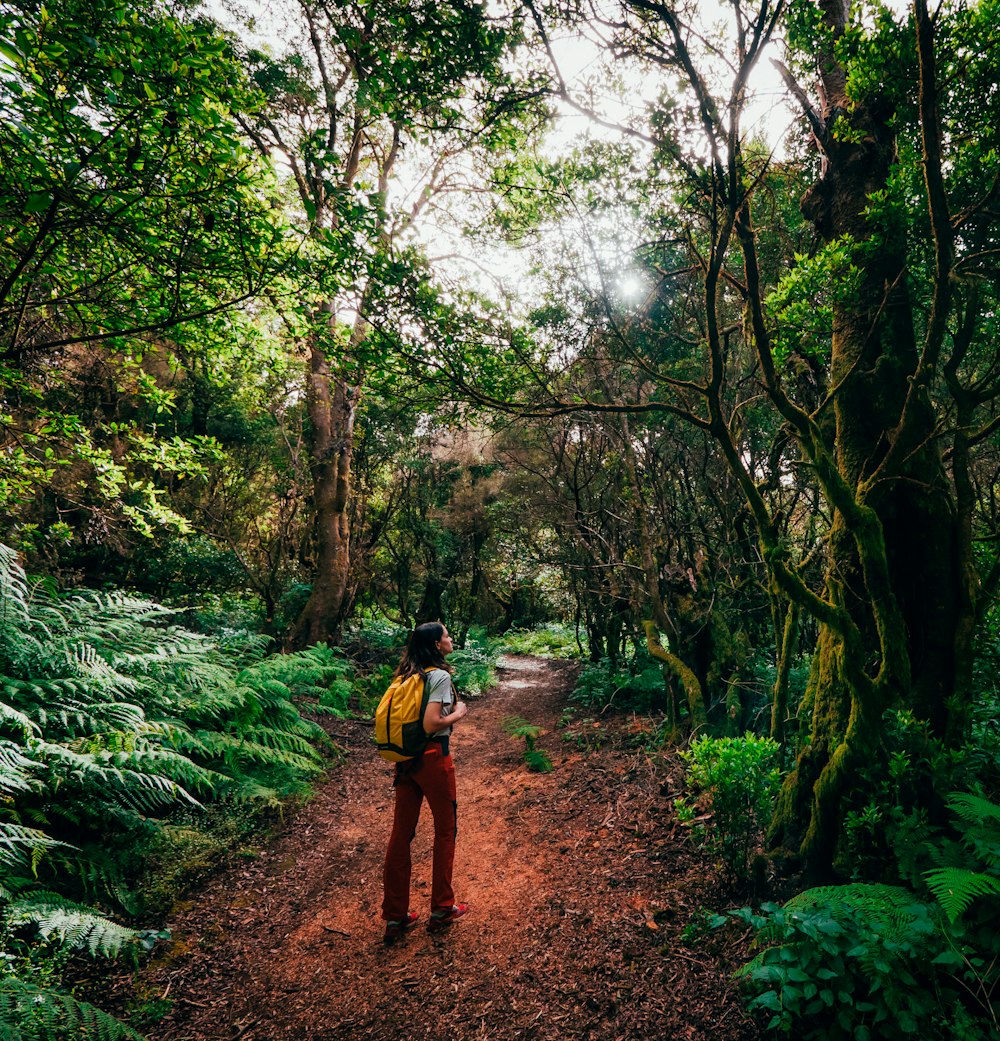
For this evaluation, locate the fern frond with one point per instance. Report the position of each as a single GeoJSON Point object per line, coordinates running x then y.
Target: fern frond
{"type": "Point", "coordinates": [77, 927]}
{"type": "Point", "coordinates": [21, 846]}
{"type": "Point", "coordinates": [957, 888]}
{"type": "Point", "coordinates": [16, 769]}
{"type": "Point", "coordinates": [285, 741]}
{"type": "Point", "coordinates": [233, 749]}
{"type": "Point", "coordinates": [117, 775]}
{"type": "Point", "coordinates": [974, 808]}
{"type": "Point", "coordinates": [248, 789]}
{"type": "Point", "coordinates": [16, 720]}
{"type": "Point", "coordinates": [889, 909]}
{"type": "Point", "coordinates": [14, 593]}
{"type": "Point", "coordinates": [47, 1015]}
{"type": "Point", "coordinates": [165, 764]}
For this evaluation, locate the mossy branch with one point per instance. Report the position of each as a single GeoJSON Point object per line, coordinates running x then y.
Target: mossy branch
{"type": "Point", "coordinates": [688, 680]}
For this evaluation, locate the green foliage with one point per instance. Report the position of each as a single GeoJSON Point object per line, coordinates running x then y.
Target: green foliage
{"type": "Point", "coordinates": [887, 835]}
{"type": "Point", "coordinates": [870, 960]}
{"type": "Point", "coordinates": [132, 206]}
{"type": "Point", "coordinates": [846, 963]}
{"type": "Point", "coordinates": [802, 304]}
{"type": "Point", "coordinates": [969, 868]}
{"type": "Point", "coordinates": [31, 1013]}
{"type": "Point", "coordinates": [957, 888]}
{"type": "Point", "coordinates": [111, 718]}
{"type": "Point", "coordinates": [741, 776]}
{"type": "Point", "coordinates": [636, 686]}
{"type": "Point", "coordinates": [553, 640]}
{"type": "Point", "coordinates": [535, 758]}
{"type": "Point", "coordinates": [383, 634]}
{"type": "Point", "coordinates": [474, 667]}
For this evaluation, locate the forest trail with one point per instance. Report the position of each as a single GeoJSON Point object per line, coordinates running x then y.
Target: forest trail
{"type": "Point", "coordinates": [576, 884]}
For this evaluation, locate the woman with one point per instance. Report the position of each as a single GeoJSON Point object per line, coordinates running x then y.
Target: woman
{"type": "Point", "coordinates": [432, 777]}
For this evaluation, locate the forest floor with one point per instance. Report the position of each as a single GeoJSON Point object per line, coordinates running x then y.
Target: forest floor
{"type": "Point", "coordinates": [579, 881]}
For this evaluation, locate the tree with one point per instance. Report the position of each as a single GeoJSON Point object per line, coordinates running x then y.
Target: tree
{"type": "Point", "coordinates": [377, 110]}
{"type": "Point", "coordinates": [136, 220]}
{"type": "Point", "coordinates": [871, 353]}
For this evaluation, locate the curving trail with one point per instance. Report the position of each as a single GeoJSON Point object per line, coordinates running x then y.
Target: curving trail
{"type": "Point", "coordinates": [576, 885]}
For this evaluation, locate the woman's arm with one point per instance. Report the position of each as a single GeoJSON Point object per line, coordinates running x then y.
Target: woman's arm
{"type": "Point", "coordinates": [435, 720]}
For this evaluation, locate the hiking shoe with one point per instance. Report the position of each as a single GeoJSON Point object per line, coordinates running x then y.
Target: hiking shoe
{"type": "Point", "coordinates": [442, 919]}
{"type": "Point", "coordinates": [394, 930]}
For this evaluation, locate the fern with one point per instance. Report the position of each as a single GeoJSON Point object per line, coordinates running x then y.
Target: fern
{"type": "Point", "coordinates": [970, 869]}
{"type": "Point", "coordinates": [535, 759]}
{"type": "Point", "coordinates": [47, 1015]}
{"type": "Point", "coordinates": [112, 717]}
{"type": "Point", "coordinates": [956, 888]}
{"type": "Point", "coordinates": [77, 927]}
{"type": "Point", "coordinates": [888, 909]}
{"type": "Point", "coordinates": [20, 846]}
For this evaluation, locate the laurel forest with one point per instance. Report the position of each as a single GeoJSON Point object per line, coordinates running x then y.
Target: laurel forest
{"type": "Point", "coordinates": [658, 336]}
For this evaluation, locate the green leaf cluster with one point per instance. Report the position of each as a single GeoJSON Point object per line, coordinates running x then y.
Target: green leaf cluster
{"type": "Point", "coordinates": [871, 960]}
{"type": "Point", "coordinates": [741, 777]}
{"type": "Point", "coordinates": [635, 685]}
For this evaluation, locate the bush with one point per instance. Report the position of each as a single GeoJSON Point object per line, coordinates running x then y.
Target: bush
{"type": "Point", "coordinates": [863, 962]}
{"type": "Point", "coordinates": [553, 640]}
{"type": "Point", "coordinates": [637, 687]}
{"type": "Point", "coordinates": [866, 961]}
{"type": "Point", "coordinates": [741, 777]}
{"type": "Point", "coordinates": [841, 965]}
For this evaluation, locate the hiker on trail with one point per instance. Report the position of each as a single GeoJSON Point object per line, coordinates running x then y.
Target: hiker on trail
{"type": "Point", "coordinates": [429, 776]}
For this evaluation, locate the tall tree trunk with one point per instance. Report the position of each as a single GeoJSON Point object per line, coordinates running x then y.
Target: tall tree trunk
{"type": "Point", "coordinates": [874, 356]}
{"type": "Point", "coordinates": [332, 405]}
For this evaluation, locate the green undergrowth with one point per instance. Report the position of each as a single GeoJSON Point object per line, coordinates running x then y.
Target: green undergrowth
{"type": "Point", "coordinates": [872, 960]}
{"type": "Point", "coordinates": [738, 779]}
{"type": "Point", "coordinates": [552, 640]}
{"type": "Point", "coordinates": [133, 753]}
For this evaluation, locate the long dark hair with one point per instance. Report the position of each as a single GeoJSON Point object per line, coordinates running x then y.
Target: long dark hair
{"type": "Point", "coordinates": [422, 650]}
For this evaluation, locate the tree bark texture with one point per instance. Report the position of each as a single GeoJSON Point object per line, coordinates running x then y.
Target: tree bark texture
{"type": "Point", "coordinates": [332, 406]}
{"type": "Point", "coordinates": [906, 494]}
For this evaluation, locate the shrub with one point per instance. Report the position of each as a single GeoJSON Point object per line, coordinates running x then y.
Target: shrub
{"type": "Point", "coordinates": [741, 777]}
{"type": "Point", "coordinates": [553, 640]}
{"type": "Point", "coordinates": [866, 961]}
{"type": "Point", "coordinates": [635, 687]}
{"type": "Point", "coordinates": [841, 964]}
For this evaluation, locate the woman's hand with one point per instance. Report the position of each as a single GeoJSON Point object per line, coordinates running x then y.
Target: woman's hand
{"type": "Point", "coordinates": [435, 719]}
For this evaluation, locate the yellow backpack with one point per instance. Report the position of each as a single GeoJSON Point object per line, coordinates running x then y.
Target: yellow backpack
{"type": "Point", "coordinates": [399, 719]}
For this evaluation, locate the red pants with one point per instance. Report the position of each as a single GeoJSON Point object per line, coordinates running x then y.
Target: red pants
{"type": "Point", "coordinates": [433, 778]}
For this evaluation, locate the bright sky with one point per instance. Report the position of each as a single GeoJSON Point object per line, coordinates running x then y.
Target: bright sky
{"type": "Point", "coordinates": [586, 69]}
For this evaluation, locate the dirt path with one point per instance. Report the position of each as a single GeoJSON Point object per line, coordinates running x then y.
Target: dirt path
{"type": "Point", "coordinates": [576, 888]}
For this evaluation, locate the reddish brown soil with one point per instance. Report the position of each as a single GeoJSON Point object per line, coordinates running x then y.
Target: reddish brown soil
{"type": "Point", "coordinates": [579, 883]}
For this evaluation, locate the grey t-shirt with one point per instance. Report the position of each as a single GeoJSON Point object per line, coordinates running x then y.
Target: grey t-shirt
{"type": "Point", "coordinates": [439, 684]}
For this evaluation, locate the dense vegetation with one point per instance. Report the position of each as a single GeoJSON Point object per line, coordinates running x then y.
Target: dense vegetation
{"type": "Point", "coordinates": [331, 323]}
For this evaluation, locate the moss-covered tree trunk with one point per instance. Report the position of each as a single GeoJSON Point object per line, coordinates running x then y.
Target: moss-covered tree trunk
{"type": "Point", "coordinates": [894, 577]}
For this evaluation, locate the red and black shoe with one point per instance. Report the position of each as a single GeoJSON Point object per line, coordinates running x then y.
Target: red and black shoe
{"type": "Point", "coordinates": [442, 919]}
{"type": "Point", "coordinates": [394, 930]}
